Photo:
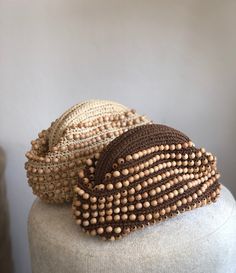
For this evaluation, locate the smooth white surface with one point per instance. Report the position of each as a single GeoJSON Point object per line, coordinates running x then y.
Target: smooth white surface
{"type": "Point", "coordinates": [172, 60]}
{"type": "Point", "coordinates": [200, 241]}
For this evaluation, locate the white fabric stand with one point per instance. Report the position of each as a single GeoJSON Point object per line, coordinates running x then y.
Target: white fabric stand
{"type": "Point", "coordinates": [199, 241]}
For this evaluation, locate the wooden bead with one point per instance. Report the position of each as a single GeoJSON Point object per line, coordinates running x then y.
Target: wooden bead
{"type": "Point", "coordinates": [154, 203]}
{"type": "Point", "coordinates": [125, 172]}
{"type": "Point", "coordinates": [178, 146]}
{"type": "Point", "coordinates": [141, 217]}
{"type": "Point", "coordinates": [109, 229]}
{"type": "Point", "coordinates": [116, 173]}
{"type": "Point", "coordinates": [120, 161]}
{"type": "Point", "coordinates": [86, 196]}
{"type": "Point", "coordinates": [89, 162]}
{"type": "Point", "coordinates": [156, 215]}
{"type": "Point", "coordinates": [109, 186]}
{"type": "Point", "coordinates": [124, 217]}
{"type": "Point", "coordinates": [128, 158]}
{"type": "Point", "coordinates": [117, 230]}
{"type": "Point", "coordinates": [132, 217]}
{"type": "Point", "coordinates": [138, 205]}
{"type": "Point", "coordinates": [118, 185]}
{"type": "Point", "coordinates": [93, 221]}
{"type": "Point", "coordinates": [100, 230]}
{"type": "Point", "coordinates": [146, 204]}
{"type": "Point", "coordinates": [149, 216]}
{"type": "Point", "coordinates": [135, 156]}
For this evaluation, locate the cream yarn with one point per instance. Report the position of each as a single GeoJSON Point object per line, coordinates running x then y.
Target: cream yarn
{"type": "Point", "coordinates": [60, 151]}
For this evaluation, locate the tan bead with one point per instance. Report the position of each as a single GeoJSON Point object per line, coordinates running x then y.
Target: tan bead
{"type": "Point", "coordinates": [173, 207]}
{"type": "Point", "coordinates": [93, 221]}
{"type": "Point", "coordinates": [135, 156]}
{"type": "Point", "coordinates": [131, 207]}
{"type": "Point", "coordinates": [120, 161]}
{"type": "Point", "coordinates": [154, 203]}
{"type": "Point", "coordinates": [86, 196]}
{"type": "Point", "coordinates": [126, 183]}
{"type": "Point", "coordinates": [128, 158]}
{"type": "Point", "coordinates": [152, 192]}
{"type": "Point", "coordinates": [163, 212]}
{"type": "Point", "coordinates": [124, 209]}
{"type": "Point", "coordinates": [138, 205]}
{"type": "Point", "coordinates": [149, 216]}
{"type": "Point", "coordinates": [93, 199]}
{"type": "Point", "coordinates": [132, 217]}
{"type": "Point", "coordinates": [116, 173]}
{"type": "Point", "coordinates": [165, 197]}
{"type": "Point", "coordinates": [178, 146]}
{"type": "Point", "coordinates": [117, 217]}
{"type": "Point", "coordinates": [81, 173]}
{"type": "Point", "coordinates": [141, 217]}
{"type": "Point", "coordinates": [156, 215]}
{"type": "Point", "coordinates": [117, 230]}
{"type": "Point", "coordinates": [146, 204]}
{"type": "Point", "coordinates": [124, 217]}
{"type": "Point", "coordinates": [109, 186]}
{"type": "Point", "coordinates": [100, 230]}
{"type": "Point", "coordinates": [171, 195]}
{"type": "Point", "coordinates": [109, 218]}
{"type": "Point", "coordinates": [85, 223]}
{"type": "Point", "coordinates": [118, 185]}
{"type": "Point", "coordinates": [194, 196]}
{"type": "Point", "coordinates": [125, 172]}
{"type": "Point", "coordinates": [109, 229]}
{"type": "Point", "coordinates": [117, 210]}
{"type": "Point", "coordinates": [179, 203]}
{"type": "Point", "coordinates": [189, 199]}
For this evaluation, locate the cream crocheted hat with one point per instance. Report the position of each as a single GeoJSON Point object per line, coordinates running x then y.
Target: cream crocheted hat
{"type": "Point", "coordinates": [62, 149]}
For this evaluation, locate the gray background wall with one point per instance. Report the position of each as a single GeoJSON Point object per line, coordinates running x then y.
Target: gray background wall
{"type": "Point", "coordinates": [171, 60]}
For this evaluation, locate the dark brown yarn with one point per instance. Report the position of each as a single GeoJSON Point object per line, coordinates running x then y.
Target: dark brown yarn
{"type": "Point", "coordinates": [166, 175]}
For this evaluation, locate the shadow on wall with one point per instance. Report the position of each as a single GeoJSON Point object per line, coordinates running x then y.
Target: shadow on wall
{"type": "Point", "coordinates": [6, 265]}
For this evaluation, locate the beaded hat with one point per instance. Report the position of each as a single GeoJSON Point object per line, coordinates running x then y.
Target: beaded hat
{"type": "Point", "coordinates": [80, 133]}
{"type": "Point", "coordinates": [144, 176]}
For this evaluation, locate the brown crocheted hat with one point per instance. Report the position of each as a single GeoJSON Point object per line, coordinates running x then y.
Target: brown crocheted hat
{"type": "Point", "coordinates": [144, 176]}
{"type": "Point", "coordinates": [62, 149]}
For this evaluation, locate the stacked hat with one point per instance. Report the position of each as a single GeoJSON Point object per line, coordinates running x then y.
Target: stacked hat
{"type": "Point", "coordinates": [80, 133]}
{"type": "Point", "coordinates": [144, 176]}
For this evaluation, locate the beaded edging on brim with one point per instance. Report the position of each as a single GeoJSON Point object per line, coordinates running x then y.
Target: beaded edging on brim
{"type": "Point", "coordinates": [62, 149]}
{"type": "Point", "coordinates": [144, 176]}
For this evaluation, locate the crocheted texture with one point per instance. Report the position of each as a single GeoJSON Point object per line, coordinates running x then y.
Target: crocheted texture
{"type": "Point", "coordinates": [144, 176]}
{"type": "Point", "coordinates": [80, 133]}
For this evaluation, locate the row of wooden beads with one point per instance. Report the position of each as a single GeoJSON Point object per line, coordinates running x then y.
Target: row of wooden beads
{"type": "Point", "coordinates": [170, 182]}
{"type": "Point", "coordinates": [140, 217]}
{"type": "Point", "coordinates": [158, 157]}
{"type": "Point", "coordinates": [74, 134]}
{"type": "Point", "coordinates": [105, 118]}
{"type": "Point", "coordinates": [146, 204]}
{"type": "Point", "coordinates": [126, 230]}
{"type": "Point", "coordinates": [116, 123]}
{"type": "Point", "coordinates": [136, 195]}
{"type": "Point", "coordinates": [151, 171]}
